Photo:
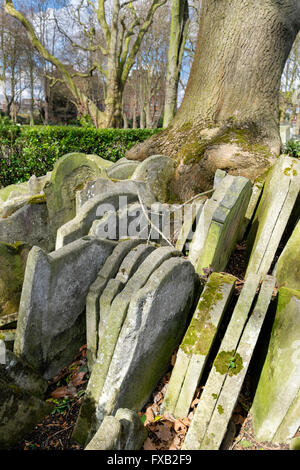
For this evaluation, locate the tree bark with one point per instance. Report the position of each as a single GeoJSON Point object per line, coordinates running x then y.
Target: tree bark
{"type": "Point", "coordinates": [229, 117]}
{"type": "Point", "coordinates": [179, 27]}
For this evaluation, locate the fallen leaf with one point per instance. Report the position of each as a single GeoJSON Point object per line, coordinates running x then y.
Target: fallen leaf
{"type": "Point", "coordinates": [148, 444]}
{"type": "Point", "coordinates": [77, 379]}
{"type": "Point", "coordinates": [61, 392]}
{"type": "Point", "coordinates": [149, 415]}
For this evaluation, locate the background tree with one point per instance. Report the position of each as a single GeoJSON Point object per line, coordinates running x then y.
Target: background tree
{"type": "Point", "coordinates": [123, 31]}
{"type": "Point", "coordinates": [178, 37]}
{"type": "Point", "coordinates": [290, 81]}
{"type": "Point", "coordinates": [229, 117]}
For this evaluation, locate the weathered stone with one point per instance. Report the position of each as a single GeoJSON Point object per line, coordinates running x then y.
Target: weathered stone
{"type": "Point", "coordinates": [19, 413]}
{"type": "Point", "coordinates": [125, 431]}
{"type": "Point", "coordinates": [18, 190]}
{"type": "Point", "coordinates": [223, 218]}
{"type": "Point", "coordinates": [257, 189]}
{"type": "Point", "coordinates": [36, 185]}
{"type": "Point", "coordinates": [109, 270]}
{"type": "Point", "coordinates": [51, 324]}
{"type": "Point", "coordinates": [69, 174]}
{"type": "Point", "coordinates": [287, 270]}
{"type": "Point", "coordinates": [295, 444]}
{"type": "Point", "coordinates": [122, 170]}
{"type": "Point", "coordinates": [120, 196]}
{"type": "Point", "coordinates": [134, 220]}
{"type": "Point", "coordinates": [129, 265]}
{"type": "Point", "coordinates": [12, 267]}
{"type": "Point", "coordinates": [17, 372]}
{"type": "Point", "coordinates": [217, 376]}
{"type": "Point", "coordinates": [108, 435]}
{"type": "Point", "coordinates": [110, 336]}
{"type": "Point", "coordinates": [101, 185]}
{"type": "Point", "coordinates": [219, 176]}
{"type": "Point", "coordinates": [280, 193]}
{"type": "Point", "coordinates": [29, 224]}
{"type": "Point", "coordinates": [197, 342]}
{"type": "Point", "coordinates": [200, 235]}
{"type": "Point", "coordinates": [237, 369]}
{"type": "Point", "coordinates": [191, 213]}
{"type": "Point", "coordinates": [277, 398]}
{"type": "Point", "coordinates": [157, 171]}
{"type": "Point", "coordinates": [151, 331]}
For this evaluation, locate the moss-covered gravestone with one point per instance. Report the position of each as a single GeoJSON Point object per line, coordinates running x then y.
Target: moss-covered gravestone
{"type": "Point", "coordinates": [12, 267]}
{"type": "Point", "coordinates": [276, 407]}
{"type": "Point", "coordinates": [279, 197]}
{"type": "Point", "coordinates": [287, 271]}
{"type": "Point", "coordinates": [197, 342]}
{"type": "Point", "coordinates": [70, 173]}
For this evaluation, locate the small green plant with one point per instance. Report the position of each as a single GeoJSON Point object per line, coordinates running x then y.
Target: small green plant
{"type": "Point", "coordinates": [292, 148]}
{"type": "Point", "coordinates": [60, 405]}
{"type": "Point", "coordinates": [231, 363]}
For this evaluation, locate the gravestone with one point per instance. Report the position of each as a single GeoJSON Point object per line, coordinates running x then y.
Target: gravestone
{"type": "Point", "coordinates": [51, 324]}
{"type": "Point", "coordinates": [197, 342]}
{"type": "Point", "coordinates": [287, 270]}
{"type": "Point", "coordinates": [122, 170]}
{"type": "Point", "coordinates": [276, 406]}
{"type": "Point", "coordinates": [280, 194]}
{"type": "Point", "coordinates": [69, 174]}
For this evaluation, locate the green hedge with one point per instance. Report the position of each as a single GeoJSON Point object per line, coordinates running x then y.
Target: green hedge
{"type": "Point", "coordinates": [25, 150]}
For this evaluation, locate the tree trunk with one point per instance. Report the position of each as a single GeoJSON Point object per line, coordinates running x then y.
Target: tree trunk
{"type": "Point", "coordinates": [230, 113]}
{"type": "Point", "coordinates": [179, 27]}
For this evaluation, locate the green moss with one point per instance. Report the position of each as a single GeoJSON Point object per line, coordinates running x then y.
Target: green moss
{"type": "Point", "coordinates": [228, 362]}
{"type": "Point", "coordinates": [201, 332]}
{"type": "Point", "coordinates": [284, 297]}
{"type": "Point", "coordinates": [37, 199]}
{"type": "Point", "coordinates": [214, 395]}
{"type": "Point", "coordinates": [245, 138]}
{"type": "Point", "coordinates": [220, 409]}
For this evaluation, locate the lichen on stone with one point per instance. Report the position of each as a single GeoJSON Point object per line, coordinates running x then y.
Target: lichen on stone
{"type": "Point", "coordinates": [228, 362]}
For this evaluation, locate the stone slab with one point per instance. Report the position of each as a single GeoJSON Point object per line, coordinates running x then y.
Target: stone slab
{"type": "Point", "coordinates": [191, 213]}
{"type": "Point", "coordinates": [216, 380]}
{"type": "Point", "coordinates": [224, 228]}
{"type": "Point", "coordinates": [122, 170]}
{"type": "Point", "coordinates": [69, 173]}
{"type": "Point", "coordinates": [29, 224]}
{"type": "Point", "coordinates": [279, 381]}
{"type": "Point", "coordinates": [108, 271]}
{"type": "Point", "coordinates": [287, 270]}
{"type": "Point", "coordinates": [120, 196]}
{"type": "Point", "coordinates": [235, 376]}
{"type": "Point", "coordinates": [196, 345]}
{"type": "Point", "coordinates": [111, 333]}
{"type": "Point", "coordinates": [157, 171]}
{"type": "Point", "coordinates": [281, 190]}
{"type": "Point", "coordinates": [51, 324]}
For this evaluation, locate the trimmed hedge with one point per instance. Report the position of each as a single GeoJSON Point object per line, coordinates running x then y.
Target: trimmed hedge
{"type": "Point", "coordinates": [25, 150]}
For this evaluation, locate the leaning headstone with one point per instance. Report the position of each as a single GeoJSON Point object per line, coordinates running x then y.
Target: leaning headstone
{"type": "Point", "coordinates": [122, 170]}
{"type": "Point", "coordinates": [287, 270]}
{"type": "Point", "coordinates": [281, 190]}
{"type": "Point", "coordinates": [157, 171]}
{"type": "Point", "coordinates": [219, 175]}
{"type": "Point", "coordinates": [102, 185]}
{"type": "Point", "coordinates": [152, 329]}
{"type": "Point", "coordinates": [119, 196]}
{"type": "Point", "coordinates": [130, 264]}
{"type": "Point", "coordinates": [51, 324]}
{"type": "Point", "coordinates": [69, 174]}
{"type": "Point", "coordinates": [19, 413]}
{"type": "Point", "coordinates": [197, 342]}
{"type": "Point", "coordinates": [276, 406]}
{"type": "Point", "coordinates": [238, 366]}
{"type": "Point", "coordinates": [29, 224]}
{"type": "Point", "coordinates": [124, 431]}
{"type": "Point", "coordinates": [12, 267]}
{"type": "Point", "coordinates": [221, 233]}
{"type": "Point", "coordinates": [216, 379]}
{"type": "Point", "coordinates": [117, 315]}
{"type": "Point", "coordinates": [257, 190]}
{"type": "Point", "coordinates": [108, 271]}
{"type": "Point", "coordinates": [191, 214]}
